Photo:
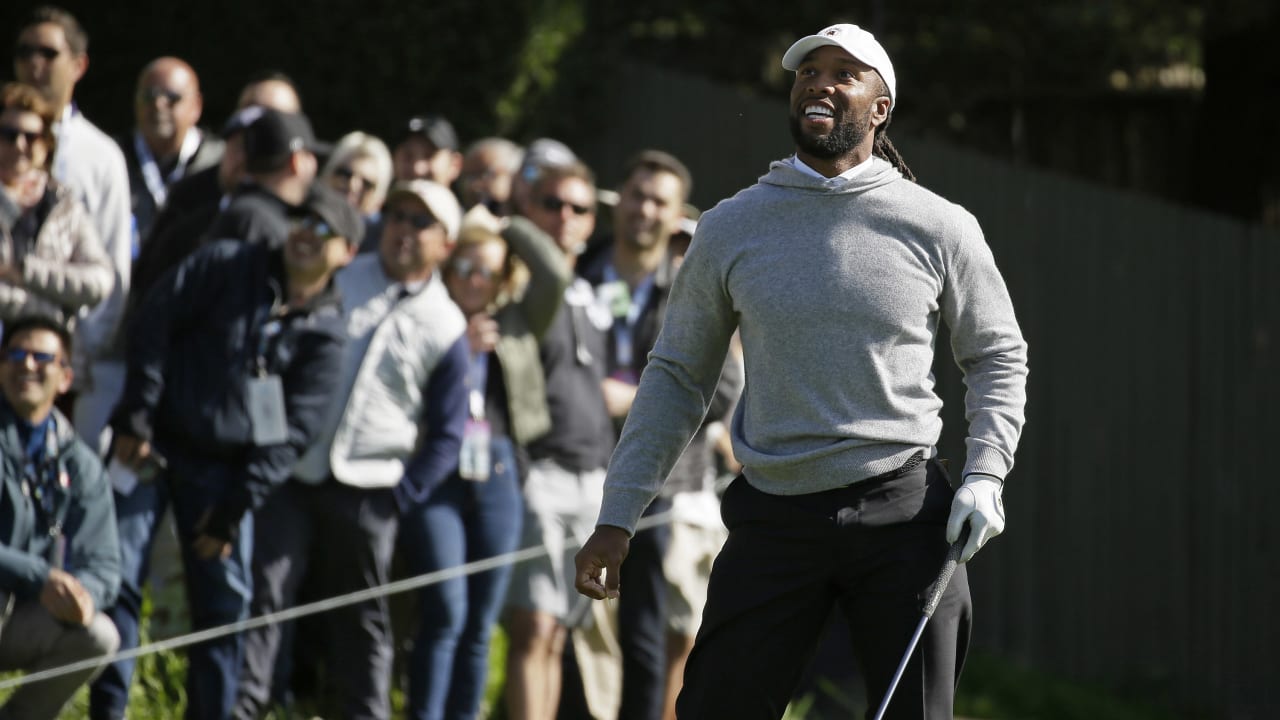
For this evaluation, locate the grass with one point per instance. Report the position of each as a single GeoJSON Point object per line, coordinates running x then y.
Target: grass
{"type": "Point", "coordinates": [991, 689]}
{"type": "Point", "coordinates": [994, 688]}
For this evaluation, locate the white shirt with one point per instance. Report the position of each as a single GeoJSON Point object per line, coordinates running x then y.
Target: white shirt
{"type": "Point", "coordinates": [836, 181]}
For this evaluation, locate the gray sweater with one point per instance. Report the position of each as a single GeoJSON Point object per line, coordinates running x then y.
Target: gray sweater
{"type": "Point", "coordinates": [837, 288]}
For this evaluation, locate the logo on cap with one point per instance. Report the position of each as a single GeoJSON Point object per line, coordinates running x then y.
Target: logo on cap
{"type": "Point", "coordinates": [832, 32]}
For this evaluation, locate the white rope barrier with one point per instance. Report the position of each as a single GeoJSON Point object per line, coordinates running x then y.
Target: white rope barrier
{"type": "Point", "coordinates": [312, 608]}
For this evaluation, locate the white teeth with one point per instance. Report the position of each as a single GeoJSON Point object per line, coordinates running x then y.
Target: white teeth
{"type": "Point", "coordinates": [821, 110]}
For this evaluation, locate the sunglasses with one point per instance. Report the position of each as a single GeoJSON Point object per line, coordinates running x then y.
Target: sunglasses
{"type": "Point", "coordinates": [18, 356]}
{"type": "Point", "coordinates": [419, 221]}
{"type": "Point", "coordinates": [554, 204]}
{"type": "Point", "coordinates": [24, 51]}
{"type": "Point", "coordinates": [467, 268]}
{"type": "Point", "coordinates": [315, 226]}
{"type": "Point", "coordinates": [346, 173]}
{"type": "Point", "coordinates": [11, 134]}
{"type": "Point", "coordinates": [152, 94]}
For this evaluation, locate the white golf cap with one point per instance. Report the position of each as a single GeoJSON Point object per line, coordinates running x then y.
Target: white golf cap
{"type": "Point", "coordinates": [854, 40]}
{"type": "Point", "coordinates": [440, 202]}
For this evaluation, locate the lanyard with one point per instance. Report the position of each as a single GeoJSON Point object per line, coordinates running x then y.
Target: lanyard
{"type": "Point", "coordinates": [272, 324]}
{"type": "Point", "coordinates": [47, 483]}
{"type": "Point", "coordinates": [477, 381]}
{"type": "Point", "coordinates": [269, 331]}
{"type": "Point", "coordinates": [624, 326]}
{"type": "Point", "coordinates": [157, 185]}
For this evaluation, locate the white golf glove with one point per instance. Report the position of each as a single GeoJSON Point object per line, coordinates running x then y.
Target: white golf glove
{"type": "Point", "coordinates": [978, 503]}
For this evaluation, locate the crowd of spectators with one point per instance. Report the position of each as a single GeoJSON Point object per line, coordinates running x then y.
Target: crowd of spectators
{"type": "Point", "coordinates": [329, 363]}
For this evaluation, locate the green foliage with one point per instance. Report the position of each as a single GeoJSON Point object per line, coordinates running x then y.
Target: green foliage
{"type": "Point", "coordinates": [991, 688]}
{"type": "Point", "coordinates": [994, 688]}
{"type": "Point", "coordinates": [554, 26]}
{"type": "Point", "coordinates": [535, 67]}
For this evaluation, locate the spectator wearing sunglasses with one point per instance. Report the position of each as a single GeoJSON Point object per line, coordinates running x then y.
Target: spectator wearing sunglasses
{"type": "Point", "coordinates": [391, 436]}
{"type": "Point", "coordinates": [507, 277]}
{"type": "Point", "coordinates": [195, 202]}
{"type": "Point", "coordinates": [59, 562]}
{"type": "Point", "coordinates": [556, 193]}
{"type": "Point", "coordinates": [231, 366]}
{"type": "Point", "coordinates": [166, 144]}
{"type": "Point", "coordinates": [51, 262]}
{"type": "Point", "coordinates": [360, 168]}
{"type": "Point", "coordinates": [489, 168]}
{"type": "Point", "coordinates": [52, 55]}
{"type": "Point", "coordinates": [632, 276]}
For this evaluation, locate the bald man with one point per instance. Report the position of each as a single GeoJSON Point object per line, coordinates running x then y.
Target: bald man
{"type": "Point", "coordinates": [271, 90]}
{"type": "Point", "coordinates": [166, 144]}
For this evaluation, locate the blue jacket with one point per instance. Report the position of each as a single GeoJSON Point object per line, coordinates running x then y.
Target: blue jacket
{"type": "Point", "coordinates": [194, 344]}
{"type": "Point", "coordinates": [84, 509]}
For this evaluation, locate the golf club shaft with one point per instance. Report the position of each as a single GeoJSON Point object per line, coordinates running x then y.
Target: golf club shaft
{"type": "Point", "coordinates": [935, 597]}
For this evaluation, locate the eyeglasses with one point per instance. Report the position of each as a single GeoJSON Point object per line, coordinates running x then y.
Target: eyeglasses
{"type": "Point", "coordinates": [11, 134]}
{"type": "Point", "coordinates": [315, 226]}
{"type": "Point", "coordinates": [467, 268]}
{"type": "Point", "coordinates": [554, 204]}
{"type": "Point", "coordinates": [24, 51]}
{"type": "Point", "coordinates": [152, 94]}
{"type": "Point", "coordinates": [18, 356]}
{"type": "Point", "coordinates": [346, 173]}
{"type": "Point", "coordinates": [419, 221]}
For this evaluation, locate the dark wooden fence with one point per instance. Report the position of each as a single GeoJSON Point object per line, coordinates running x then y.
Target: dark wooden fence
{"type": "Point", "coordinates": [1140, 552]}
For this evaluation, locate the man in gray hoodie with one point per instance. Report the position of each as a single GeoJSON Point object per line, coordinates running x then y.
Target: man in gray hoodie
{"type": "Point", "coordinates": [836, 270]}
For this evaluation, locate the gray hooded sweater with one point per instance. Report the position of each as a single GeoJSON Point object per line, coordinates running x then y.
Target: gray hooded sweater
{"type": "Point", "coordinates": [837, 288]}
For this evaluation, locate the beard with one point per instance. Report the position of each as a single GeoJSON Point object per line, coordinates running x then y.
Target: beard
{"type": "Point", "coordinates": [842, 139]}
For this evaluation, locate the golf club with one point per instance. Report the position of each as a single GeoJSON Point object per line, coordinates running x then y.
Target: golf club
{"type": "Point", "coordinates": [935, 597]}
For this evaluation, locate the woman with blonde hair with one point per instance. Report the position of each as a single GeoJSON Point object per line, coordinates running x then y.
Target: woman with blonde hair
{"type": "Point", "coordinates": [359, 167]}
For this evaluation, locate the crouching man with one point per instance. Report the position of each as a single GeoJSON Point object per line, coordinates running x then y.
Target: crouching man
{"type": "Point", "coordinates": [59, 557]}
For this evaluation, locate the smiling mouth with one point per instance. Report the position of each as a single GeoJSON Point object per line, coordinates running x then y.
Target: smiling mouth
{"type": "Point", "coordinates": [817, 112]}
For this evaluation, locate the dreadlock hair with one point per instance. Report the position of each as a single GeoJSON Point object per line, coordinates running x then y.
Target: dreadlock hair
{"type": "Point", "coordinates": [883, 146]}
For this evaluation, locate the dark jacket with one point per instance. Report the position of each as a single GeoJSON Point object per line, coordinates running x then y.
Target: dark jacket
{"type": "Point", "coordinates": [85, 510]}
{"type": "Point", "coordinates": [688, 472]}
{"type": "Point", "coordinates": [254, 215]}
{"type": "Point", "coordinates": [145, 212]}
{"type": "Point", "coordinates": [190, 210]}
{"type": "Point", "coordinates": [649, 323]}
{"type": "Point", "coordinates": [193, 347]}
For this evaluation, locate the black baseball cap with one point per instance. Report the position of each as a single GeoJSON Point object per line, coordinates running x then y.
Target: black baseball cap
{"type": "Point", "coordinates": [240, 119]}
{"type": "Point", "coordinates": [435, 128]}
{"type": "Point", "coordinates": [275, 135]}
{"type": "Point", "coordinates": [333, 208]}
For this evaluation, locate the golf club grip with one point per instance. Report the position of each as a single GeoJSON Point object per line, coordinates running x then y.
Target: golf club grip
{"type": "Point", "coordinates": [948, 569]}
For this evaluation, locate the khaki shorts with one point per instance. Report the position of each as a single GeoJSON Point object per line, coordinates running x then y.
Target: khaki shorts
{"type": "Point", "coordinates": [560, 511]}
{"type": "Point", "coordinates": [687, 567]}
